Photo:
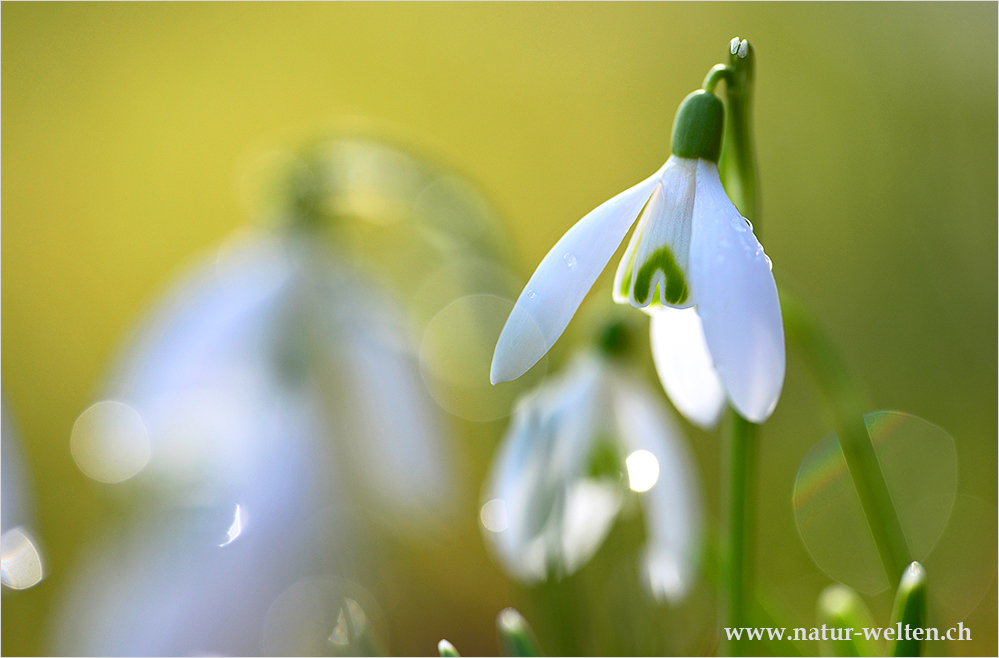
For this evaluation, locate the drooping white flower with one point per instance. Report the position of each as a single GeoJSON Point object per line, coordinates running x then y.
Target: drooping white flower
{"type": "Point", "coordinates": [272, 413]}
{"type": "Point", "coordinates": [259, 390]}
{"type": "Point", "coordinates": [691, 249]}
{"type": "Point", "coordinates": [268, 318]}
{"type": "Point", "coordinates": [544, 512]}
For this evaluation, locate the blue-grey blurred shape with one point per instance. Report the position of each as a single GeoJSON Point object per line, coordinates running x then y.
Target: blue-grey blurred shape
{"type": "Point", "coordinates": [21, 564]}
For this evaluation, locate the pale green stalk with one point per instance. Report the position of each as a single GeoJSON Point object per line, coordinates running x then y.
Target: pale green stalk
{"type": "Point", "coordinates": [737, 167]}
{"type": "Point", "coordinates": [844, 402]}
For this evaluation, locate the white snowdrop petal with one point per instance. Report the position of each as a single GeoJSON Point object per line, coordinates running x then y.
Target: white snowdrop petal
{"type": "Point", "coordinates": [514, 479]}
{"type": "Point", "coordinates": [673, 508]}
{"type": "Point", "coordinates": [684, 365]}
{"type": "Point", "coordinates": [737, 300]}
{"type": "Point", "coordinates": [591, 507]}
{"type": "Point", "coordinates": [661, 257]}
{"type": "Point", "coordinates": [537, 474]}
{"type": "Point", "coordinates": [621, 292]}
{"type": "Point", "coordinates": [14, 500]}
{"type": "Point", "coordinates": [402, 453]}
{"type": "Point", "coordinates": [563, 278]}
{"type": "Point", "coordinates": [195, 378]}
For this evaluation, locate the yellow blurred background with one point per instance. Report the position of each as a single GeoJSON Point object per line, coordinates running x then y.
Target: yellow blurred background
{"type": "Point", "coordinates": [127, 129]}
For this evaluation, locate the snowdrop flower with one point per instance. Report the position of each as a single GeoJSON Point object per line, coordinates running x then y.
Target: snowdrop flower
{"type": "Point", "coordinates": [269, 334]}
{"type": "Point", "coordinates": [691, 249]}
{"type": "Point", "coordinates": [273, 413]}
{"type": "Point", "coordinates": [546, 514]}
{"type": "Point", "coordinates": [251, 410]}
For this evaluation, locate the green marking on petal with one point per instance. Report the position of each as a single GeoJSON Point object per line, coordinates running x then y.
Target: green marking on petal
{"type": "Point", "coordinates": [626, 280]}
{"type": "Point", "coordinates": [674, 289]}
{"type": "Point", "coordinates": [605, 460]}
{"type": "Point", "coordinates": [629, 256]}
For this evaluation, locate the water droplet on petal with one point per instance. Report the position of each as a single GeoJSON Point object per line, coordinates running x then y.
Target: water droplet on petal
{"type": "Point", "coordinates": [570, 260]}
{"type": "Point", "coordinates": [770, 263]}
{"type": "Point", "coordinates": [531, 294]}
{"type": "Point", "coordinates": [748, 223]}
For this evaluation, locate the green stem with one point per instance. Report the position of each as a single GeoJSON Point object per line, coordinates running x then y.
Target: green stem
{"type": "Point", "coordinates": [717, 73]}
{"type": "Point", "coordinates": [738, 542]}
{"type": "Point", "coordinates": [844, 401]}
{"type": "Point", "coordinates": [737, 167]}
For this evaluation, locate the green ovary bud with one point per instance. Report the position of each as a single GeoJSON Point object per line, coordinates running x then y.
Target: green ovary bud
{"type": "Point", "coordinates": [697, 128]}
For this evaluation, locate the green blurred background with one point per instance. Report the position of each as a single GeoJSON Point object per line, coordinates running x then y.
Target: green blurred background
{"type": "Point", "coordinates": [127, 129]}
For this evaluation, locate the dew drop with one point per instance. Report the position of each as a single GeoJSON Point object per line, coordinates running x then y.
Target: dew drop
{"type": "Point", "coordinates": [570, 260]}
{"type": "Point", "coordinates": [748, 223]}
{"type": "Point", "coordinates": [770, 263]}
{"type": "Point", "coordinates": [531, 294]}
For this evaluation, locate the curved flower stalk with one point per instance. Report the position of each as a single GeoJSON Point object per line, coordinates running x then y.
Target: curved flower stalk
{"type": "Point", "coordinates": [545, 514]}
{"type": "Point", "coordinates": [691, 249]}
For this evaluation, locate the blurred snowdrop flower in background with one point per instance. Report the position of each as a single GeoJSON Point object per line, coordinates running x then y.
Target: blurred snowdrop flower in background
{"type": "Point", "coordinates": [267, 411]}
{"type": "Point", "coordinates": [268, 328]}
{"type": "Point", "coordinates": [21, 564]}
{"type": "Point", "coordinates": [547, 509]}
{"type": "Point", "coordinates": [251, 402]}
